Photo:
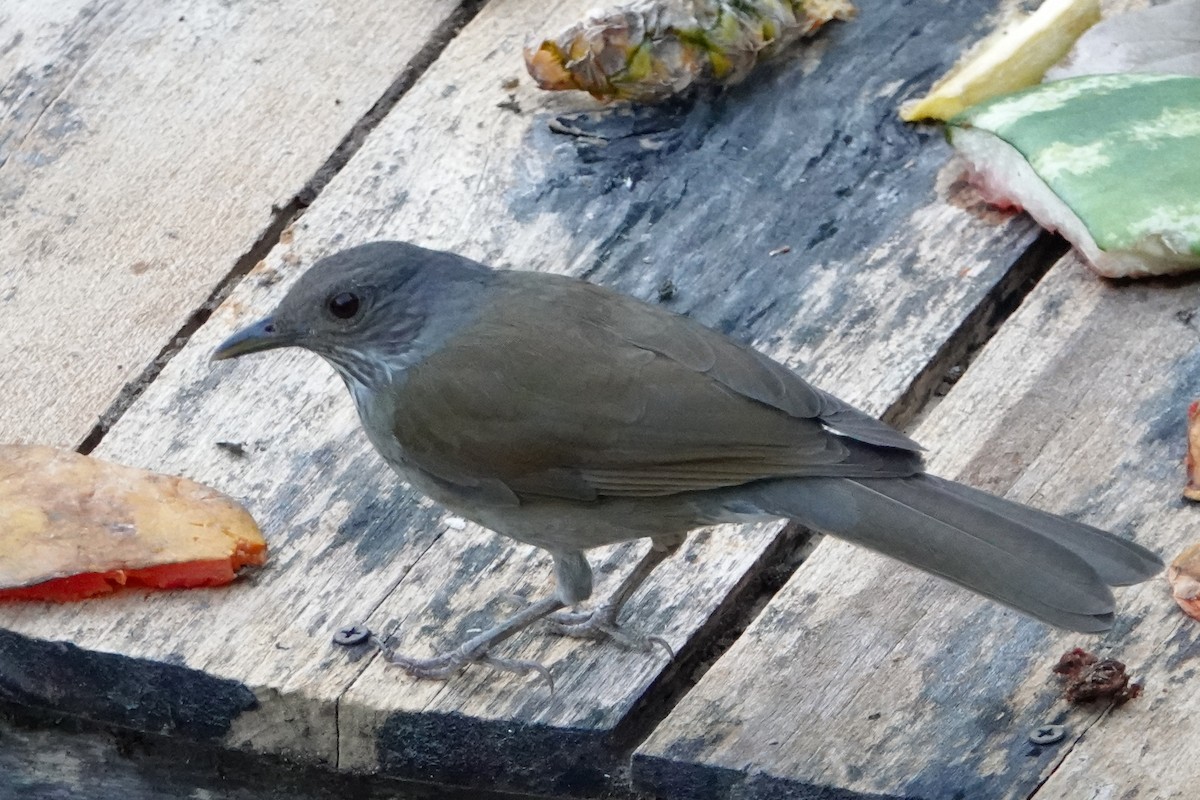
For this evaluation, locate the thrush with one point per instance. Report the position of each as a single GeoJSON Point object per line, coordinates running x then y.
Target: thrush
{"type": "Point", "coordinates": [568, 416]}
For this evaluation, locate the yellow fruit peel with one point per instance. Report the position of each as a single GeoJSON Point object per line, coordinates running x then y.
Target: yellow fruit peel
{"type": "Point", "coordinates": [1011, 58]}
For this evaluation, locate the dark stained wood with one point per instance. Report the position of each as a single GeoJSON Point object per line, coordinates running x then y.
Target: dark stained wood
{"type": "Point", "coordinates": [47, 757]}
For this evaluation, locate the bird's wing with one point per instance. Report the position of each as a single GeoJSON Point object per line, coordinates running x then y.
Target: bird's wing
{"type": "Point", "coordinates": [564, 389]}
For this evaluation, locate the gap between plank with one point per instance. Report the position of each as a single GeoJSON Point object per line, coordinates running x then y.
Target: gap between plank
{"type": "Point", "coordinates": [1065, 751]}
{"type": "Point", "coordinates": [283, 217]}
{"type": "Point", "coordinates": [954, 357]}
{"type": "Point", "coordinates": [369, 660]}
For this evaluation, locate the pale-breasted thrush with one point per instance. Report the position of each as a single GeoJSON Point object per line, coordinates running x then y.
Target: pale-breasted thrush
{"type": "Point", "coordinates": [568, 416]}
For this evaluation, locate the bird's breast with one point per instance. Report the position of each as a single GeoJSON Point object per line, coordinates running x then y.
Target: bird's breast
{"type": "Point", "coordinates": [376, 411]}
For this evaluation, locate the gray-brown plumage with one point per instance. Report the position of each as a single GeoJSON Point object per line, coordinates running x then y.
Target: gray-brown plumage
{"type": "Point", "coordinates": [568, 416]}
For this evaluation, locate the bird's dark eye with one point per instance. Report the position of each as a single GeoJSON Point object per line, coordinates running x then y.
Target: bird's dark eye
{"type": "Point", "coordinates": [344, 305]}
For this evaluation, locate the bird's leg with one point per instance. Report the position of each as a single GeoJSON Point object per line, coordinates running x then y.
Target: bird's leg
{"type": "Point", "coordinates": [574, 584]}
{"type": "Point", "coordinates": [601, 621]}
{"type": "Point", "coordinates": [475, 650]}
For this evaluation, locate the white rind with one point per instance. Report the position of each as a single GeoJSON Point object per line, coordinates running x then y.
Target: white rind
{"type": "Point", "coordinates": [1006, 178]}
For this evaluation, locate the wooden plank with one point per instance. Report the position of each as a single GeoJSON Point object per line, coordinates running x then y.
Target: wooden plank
{"type": "Point", "coordinates": [809, 155]}
{"type": "Point", "coordinates": [144, 148]}
{"type": "Point", "coordinates": [66, 757]}
{"type": "Point", "coordinates": [864, 678]}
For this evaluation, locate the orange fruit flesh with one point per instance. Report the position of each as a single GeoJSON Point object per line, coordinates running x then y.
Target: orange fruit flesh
{"type": "Point", "coordinates": [184, 575]}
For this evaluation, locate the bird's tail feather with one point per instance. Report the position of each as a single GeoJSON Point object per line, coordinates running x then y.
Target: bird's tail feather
{"type": "Point", "coordinates": [1049, 567]}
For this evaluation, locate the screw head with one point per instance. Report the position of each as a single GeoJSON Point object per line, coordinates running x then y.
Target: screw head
{"type": "Point", "coordinates": [350, 635]}
{"type": "Point", "coordinates": [1048, 734]}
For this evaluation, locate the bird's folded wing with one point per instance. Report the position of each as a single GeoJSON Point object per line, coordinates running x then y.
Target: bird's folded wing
{"type": "Point", "coordinates": [563, 389]}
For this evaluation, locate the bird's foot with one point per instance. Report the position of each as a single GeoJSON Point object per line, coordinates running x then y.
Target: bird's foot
{"type": "Point", "coordinates": [601, 623]}
{"type": "Point", "coordinates": [446, 665]}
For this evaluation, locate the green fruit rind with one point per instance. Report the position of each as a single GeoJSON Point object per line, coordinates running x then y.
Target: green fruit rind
{"type": "Point", "coordinates": [1121, 151]}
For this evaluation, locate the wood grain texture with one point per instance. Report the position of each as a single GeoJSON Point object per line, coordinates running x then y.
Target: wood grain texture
{"type": "Point", "coordinates": [889, 257]}
{"type": "Point", "coordinates": [143, 149]}
{"type": "Point", "coordinates": [865, 678]}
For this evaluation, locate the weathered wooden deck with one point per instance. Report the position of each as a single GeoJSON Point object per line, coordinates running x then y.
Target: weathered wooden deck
{"type": "Point", "coordinates": [166, 172]}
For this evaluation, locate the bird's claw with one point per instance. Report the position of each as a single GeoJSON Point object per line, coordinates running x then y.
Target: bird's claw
{"type": "Point", "coordinates": [601, 623]}
{"type": "Point", "coordinates": [520, 666]}
{"type": "Point", "coordinates": [446, 665]}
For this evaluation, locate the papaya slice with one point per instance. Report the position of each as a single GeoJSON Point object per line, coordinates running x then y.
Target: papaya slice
{"type": "Point", "coordinates": [73, 526]}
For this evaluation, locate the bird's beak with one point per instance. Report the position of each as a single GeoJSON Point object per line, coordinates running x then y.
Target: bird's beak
{"type": "Point", "coordinates": [260, 336]}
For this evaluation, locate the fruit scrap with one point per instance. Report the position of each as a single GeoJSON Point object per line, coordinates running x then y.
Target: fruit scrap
{"type": "Point", "coordinates": [72, 526]}
{"type": "Point", "coordinates": [1090, 678]}
{"type": "Point", "coordinates": [1192, 490]}
{"type": "Point", "coordinates": [1109, 161]}
{"type": "Point", "coordinates": [1184, 577]}
{"type": "Point", "coordinates": [1011, 58]}
{"type": "Point", "coordinates": [649, 50]}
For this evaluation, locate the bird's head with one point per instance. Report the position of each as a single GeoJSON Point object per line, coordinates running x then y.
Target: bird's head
{"type": "Point", "coordinates": [366, 310]}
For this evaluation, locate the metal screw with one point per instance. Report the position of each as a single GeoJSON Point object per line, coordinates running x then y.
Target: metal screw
{"type": "Point", "coordinates": [1047, 734]}
{"type": "Point", "coordinates": [350, 635]}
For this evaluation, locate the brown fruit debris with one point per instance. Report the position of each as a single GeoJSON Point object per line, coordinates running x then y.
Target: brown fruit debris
{"type": "Point", "coordinates": [1089, 678]}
